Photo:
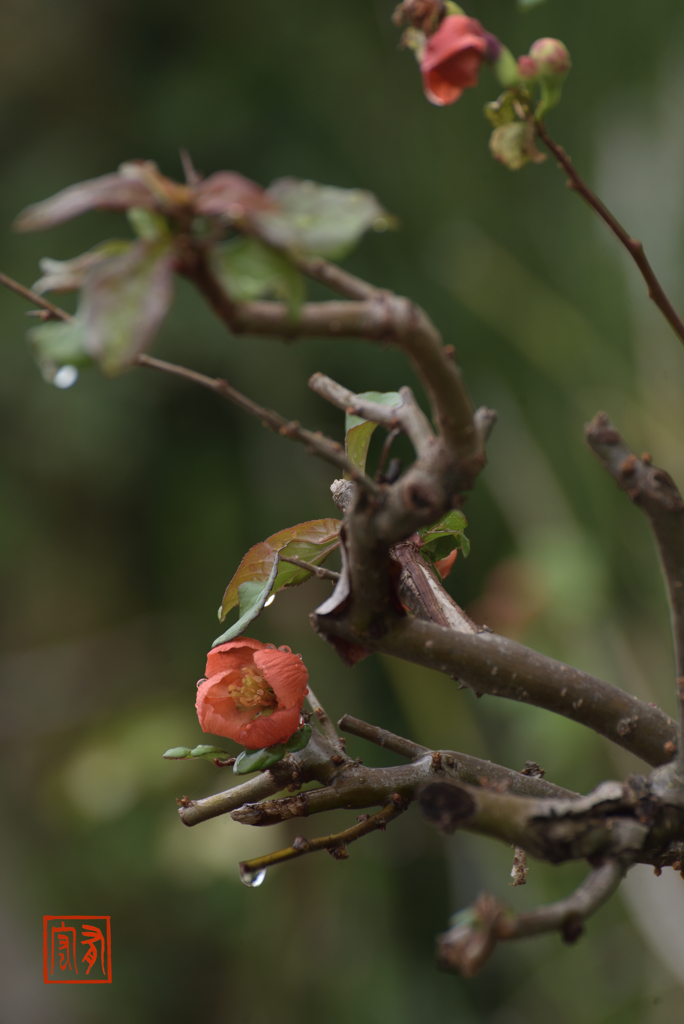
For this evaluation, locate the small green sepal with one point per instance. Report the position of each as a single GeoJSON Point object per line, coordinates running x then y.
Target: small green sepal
{"type": "Point", "coordinates": [177, 754]}
{"type": "Point", "coordinates": [299, 739]}
{"type": "Point", "coordinates": [258, 760]}
{"type": "Point", "coordinates": [210, 753]}
{"type": "Point", "coordinates": [506, 68]}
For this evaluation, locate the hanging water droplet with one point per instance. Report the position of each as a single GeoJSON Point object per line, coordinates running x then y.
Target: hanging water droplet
{"type": "Point", "coordinates": [270, 601]}
{"type": "Point", "coordinates": [65, 377]}
{"type": "Point", "coordinates": [252, 879]}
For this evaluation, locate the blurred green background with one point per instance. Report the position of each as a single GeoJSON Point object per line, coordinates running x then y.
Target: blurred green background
{"type": "Point", "coordinates": [125, 507]}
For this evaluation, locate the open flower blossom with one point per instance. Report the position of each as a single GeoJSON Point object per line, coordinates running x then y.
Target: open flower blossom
{"type": "Point", "coordinates": [253, 693]}
{"type": "Point", "coordinates": [452, 57]}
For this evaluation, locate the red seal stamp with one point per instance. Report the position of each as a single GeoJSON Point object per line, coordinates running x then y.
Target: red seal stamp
{"type": "Point", "coordinates": [77, 950]}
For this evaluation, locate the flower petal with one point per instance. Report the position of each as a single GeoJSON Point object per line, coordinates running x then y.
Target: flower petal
{"type": "Point", "coordinates": [265, 730]}
{"type": "Point", "coordinates": [216, 709]}
{"type": "Point", "coordinates": [286, 674]}
{"type": "Point", "coordinates": [233, 654]}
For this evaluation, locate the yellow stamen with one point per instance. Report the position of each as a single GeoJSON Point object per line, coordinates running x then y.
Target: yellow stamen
{"type": "Point", "coordinates": [253, 691]}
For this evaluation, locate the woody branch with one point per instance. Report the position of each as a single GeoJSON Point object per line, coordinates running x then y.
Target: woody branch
{"type": "Point", "coordinates": [489, 664]}
{"type": "Point", "coordinates": [655, 493]}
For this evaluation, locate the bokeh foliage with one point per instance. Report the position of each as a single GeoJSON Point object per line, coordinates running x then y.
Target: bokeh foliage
{"type": "Point", "coordinates": [126, 505]}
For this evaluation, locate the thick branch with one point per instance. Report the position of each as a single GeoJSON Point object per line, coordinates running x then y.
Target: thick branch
{"type": "Point", "coordinates": [656, 494]}
{"type": "Point", "coordinates": [632, 245]}
{"type": "Point", "coordinates": [609, 822]}
{"type": "Point", "coordinates": [371, 313]}
{"type": "Point", "coordinates": [493, 664]}
{"type": "Point", "coordinates": [316, 443]}
{"type": "Point", "coordinates": [424, 595]}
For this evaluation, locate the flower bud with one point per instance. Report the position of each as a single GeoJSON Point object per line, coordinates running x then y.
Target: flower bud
{"type": "Point", "coordinates": [528, 69]}
{"type": "Point", "coordinates": [551, 57]}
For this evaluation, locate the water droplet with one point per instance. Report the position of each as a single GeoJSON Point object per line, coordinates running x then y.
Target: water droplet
{"type": "Point", "coordinates": [65, 377]}
{"type": "Point", "coordinates": [270, 600]}
{"type": "Point", "coordinates": [252, 879]}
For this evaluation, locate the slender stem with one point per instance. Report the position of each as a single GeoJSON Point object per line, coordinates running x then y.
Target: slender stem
{"type": "Point", "coordinates": [35, 298]}
{"type": "Point", "coordinates": [566, 914]}
{"type": "Point", "coordinates": [407, 415]}
{"type": "Point", "coordinates": [656, 494]}
{"type": "Point", "coordinates": [335, 844]}
{"type": "Point", "coordinates": [382, 738]}
{"type": "Point", "coordinates": [329, 450]}
{"type": "Point", "coordinates": [633, 246]}
{"type": "Point", "coordinates": [467, 946]}
{"type": "Point", "coordinates": [327, 727]}
{"type": "Point", "coordinates": [334, 277]}
{"type": "Point", "coordinates": [316, 570]}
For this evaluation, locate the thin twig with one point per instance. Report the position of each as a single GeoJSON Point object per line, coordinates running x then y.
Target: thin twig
{"type": "Point", "coordinates": [382, 737]}
{"type": "Point", "coordinates": [324, 720]}
{"type": "Point", "coordinates": [322, 446]}
{"type": "Point", "coordinates": [467, 946]}
{"type": "Point", "coordinates": [633, 246]}
{"type": "Point", "coordinates": [567, 914]}
{"type": "Point", "coordinates": [335, 844]}
{"type": "Point", "coordinates": [317, 570]}
{"type": "Point", "coordinates": [334, 277]}
{"type": "Point", "coordinates": [35, 298]}
{"type": "Point", "coordinates": [407, 415]}
{"type": "Point", "coordinates": [656, 494]}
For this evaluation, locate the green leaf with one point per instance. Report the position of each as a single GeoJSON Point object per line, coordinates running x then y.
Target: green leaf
{"type": "Point", "coordinates": [186, 754]}
{"type": "Point", "coordinates": [209, 753]}
{"type": "Point", "coordinates": [70, 275]}
{"type": "Point", "coordinates": [358, 432]}
{"type": "Point", "coordinates": [501, 110]}
{"type": "Point", "coordinates": [248, 269]}
{"type": "Point", "coordinates": [312, 542]}
{"type": "Point", "coordinates": [440, 539]}
{"type": "Point", "coordinates": [148, 224]}
{"type": "Point", "coordinates": [299, 740]}
{"type": "Point", "coordinates": [177, 754]}
{"type": "Point", "coordinates": [527, 5]}
{"type": "Point", "coordinates": [124, 302]}
{"type": "Point", "coordinates": [58, 343]}
{"type": "Point", "coordinates": [258, 760]}
{"type": "Point", "coordinates": [319, 220]}
{"type": "Point", "coordinates": [252, 597]}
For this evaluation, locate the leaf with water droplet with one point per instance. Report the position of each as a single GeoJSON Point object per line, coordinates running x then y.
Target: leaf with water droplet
{"type": "Point", "coordinates": [258, 760]}
{"type": "Point", "coordinates": [312, 542]}
{"type": "Point", "coordinates": [299, 739]}
{"type": "Point", "coordinates": [252, 879]}
{"type": "Point", "coordinates": [252, 596]}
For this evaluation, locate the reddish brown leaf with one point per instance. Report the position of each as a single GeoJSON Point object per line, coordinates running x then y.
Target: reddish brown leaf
{"type": "Point", "coordinates": [311, 541]}
{"type": "Point", "coordinates": [110, 192]}
{"type": "Point", "coordinates": [228, 192]}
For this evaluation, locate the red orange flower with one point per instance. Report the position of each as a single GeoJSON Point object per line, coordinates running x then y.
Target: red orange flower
{"type": "Point", "coordinates": [253, 693]}
{"type": "Point", "coordinates": [452, 58]}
